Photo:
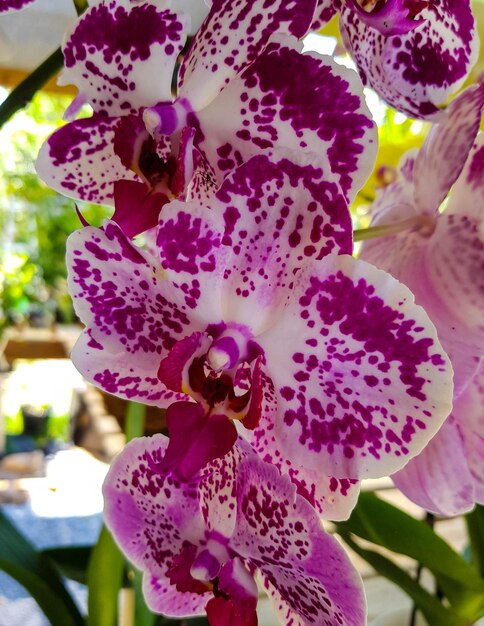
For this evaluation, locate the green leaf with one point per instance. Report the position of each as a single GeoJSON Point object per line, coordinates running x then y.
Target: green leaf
{"type": "Point", "coordinates": [142, 616]}
{"type": "Point", "coordinates": [387, 526]}
{"type": "Point", "coordinates": [33, 571]}
{"type": "Point", "coordinates": [134, 425]}
{"type": "Point", "coordinates": [429, 605]}
{"type": "Point", "coordinates": [104, 581]}
{"type": "Point", "coordinates": [475, 528]}
{"type": "Point", "coordinates": [72, 562]}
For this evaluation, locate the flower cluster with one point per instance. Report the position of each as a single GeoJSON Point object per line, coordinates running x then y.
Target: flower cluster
{"type": "Point", "coordinates": [289, 370]}
{"type": "Point", "coordinates": [441, 258]}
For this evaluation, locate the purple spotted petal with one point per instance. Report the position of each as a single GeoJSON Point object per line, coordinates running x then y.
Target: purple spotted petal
{"type": "Point", "coordinates": [131, 316]}
{"type": "Point", "coordinates": [446, 477]}
{"type": "Point", "coordinates": [303, 568]}
{"type": "Point", "coordinates": [231, 37]}
{"type": "Point", "coordinates": [453, 272]}
{"type": "Point", "coordinates": [13, 5]}
{"type": "Point", "coordinates": [438, 479]}
{"type": "Point", "coordinates": [468, 193]}
{"type": "Point", "coordinates": [78, 160]}
{"type": "Point", "coordinates": [333, 498]}
{"type": "Point", "coordinates": [276, 212]}
{"type": "Point", "coordinates": [218, 493]}
{"type": "Point", "coordinates": [189, 240]}
{"type": "Point", "coordinates": [442, 157]}
{"type": "Point", "coordinates": [469, 415]}
{"type": "Point", "coordinates": [152, 517]}
{"type": "Point", "coordinates": [121, 55]}
{"type": "Point", "coordinates": [417, 71]}
{"type": "Point", "coordinates": [361, 378]}
{"type": "Point", "coordinates": [442, 268]}
{"type": "Point", "coordinates": [325, 11]}
{"type": "Point", "coordinates": [302, 102]}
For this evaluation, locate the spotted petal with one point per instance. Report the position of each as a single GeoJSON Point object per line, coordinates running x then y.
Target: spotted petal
{"type": "Point", "coordinates": [152, 517]}
{"type": "Point", "coordinates": [468, 193]}
{"type": "Point", "coordinates": [469, 415]}
{"type": "Point", "coordinates": [438, 479]}
{"type": "Point", "coordinates": [276, 212]}
{"type": "Point", "coordinates": [189, 240]}
{"type": "Point", "coordinates": [218, 493]}
{"type": "Point", "coordinates": [361, 378]}
{"type": "Point", "coordinates": [417, 71]}
{"type": "Point", "coordinates": [305, 570]}
{"type": "Point", "coordinates": [231, 37]}
{"type": "Point", "coordinates": [302, 102]}
{"type": "Point", "coordinates": [78, 160]}
{"type": "Point", "coordinates": [453, 271]}
{"type": "Point", "coordinates": [446, 477]}
{"type": "Point", "coordinates": [115, 50]}
{"type": "Point", "coordinates": [333, 498]}
{"type": "Point", "coordinates": [442, 157]}
{"type": "Point", "coordinates": [325, 11]}
{"type": "Point", "coordinates": [7, 6]}
{"type": "Point", "coordinates": [132, 320]}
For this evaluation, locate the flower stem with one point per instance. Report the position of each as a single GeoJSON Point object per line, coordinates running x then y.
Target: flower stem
{"type": "Point", "coordinates": [26, 90]}
{"type": "Point", "coordinates": [417, 222]}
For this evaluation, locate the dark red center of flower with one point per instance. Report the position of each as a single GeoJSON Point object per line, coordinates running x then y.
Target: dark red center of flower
{"type": "Point", "coordinates": [215, 388]}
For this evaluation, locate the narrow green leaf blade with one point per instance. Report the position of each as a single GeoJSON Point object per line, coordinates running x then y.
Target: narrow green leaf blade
{"type": "Point", "coordinates": [104, 581]}
{"type": "Point", "coordinates": [20, 560]}
{"type": "Point", "coordinates": [72, 561]}
{"type": "Point", "coordinates": [143, 616]}
{"type": "Point", "coordinates": [475, 528]}
{"type": "Point", "coordinates": [385, 525]}
{"type": "Point", "coordinates": [430, 607]}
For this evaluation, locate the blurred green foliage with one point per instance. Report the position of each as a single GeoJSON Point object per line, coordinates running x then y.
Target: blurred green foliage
{"type": "Point", "coordinates": [35, 221]}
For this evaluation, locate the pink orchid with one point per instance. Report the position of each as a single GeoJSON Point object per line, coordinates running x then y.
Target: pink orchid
{"type": "Point", "coordinates": [241, 89]}
{"type": "Point", "coordinates": [413, 64]}
{"type": "Point", "coordinates": [260, 285]}
{"type": "Point", "coordinates": [199, 544]}
{"type": "Point", "coordinates": [440, 256]}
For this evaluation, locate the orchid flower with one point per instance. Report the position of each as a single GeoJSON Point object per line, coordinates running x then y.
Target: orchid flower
{"type": "Point", "coordinates": [199, 544]}
{"type": "Point", "coordinates": [440, 256]}
{"type": "Point", "coordinates": [261, 280]}
{"type": "Point", "coordinates": [241, 89]}
{"type": "Point", "coordinates": [413, 64]}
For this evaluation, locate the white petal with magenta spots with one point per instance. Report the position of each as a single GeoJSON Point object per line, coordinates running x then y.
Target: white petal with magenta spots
{"type": "Point", "coordinates": [417, 71]}
{"type": "Point", "coordinates": [127, 305]}
{"type": "Point", "coordinates": [362, 380]}
{"type": "Point", "coordinates": [276, 212]}
{"type": "Point", "coordinates": [231, 37]}
{"type": "Point", "coordinates": [78, 160]}
{"type": "Point", "coordinates": [121, 54]}
{"type": "Point", "coordinates": [303, 568]}
{"type": "Point", "coordinates": [302, 102]}
{"type": "Point", "coordinates": [151, 516]}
